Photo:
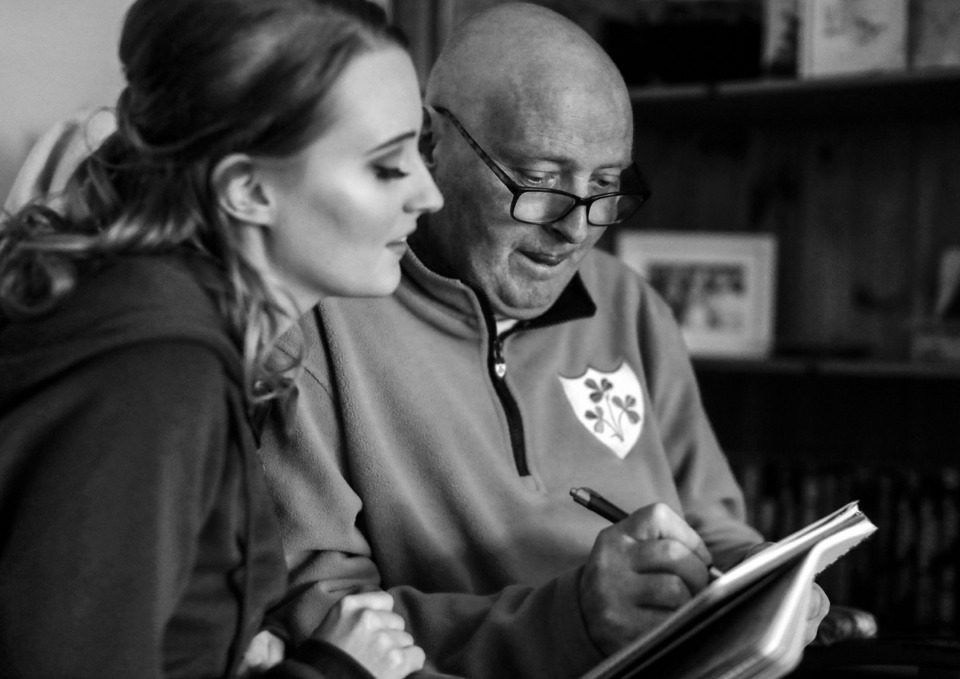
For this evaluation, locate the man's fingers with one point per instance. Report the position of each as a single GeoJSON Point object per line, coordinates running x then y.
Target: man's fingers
{"type": "Point", "coordinates": [639, 571]}
{"type": "Point", "coordinates": [818, 609]}
{"type": "Point", "coordinates": [664, 562]}
{"type": "Point", "coordinates": [666, 591]}
{"type": "Point", "coordinates": [657, 522]}
{"type": "Point", "coordinates": [819, 603]}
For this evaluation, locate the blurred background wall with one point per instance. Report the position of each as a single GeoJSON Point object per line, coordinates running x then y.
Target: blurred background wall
{"type": "Point", "coordinates": [55, 56]}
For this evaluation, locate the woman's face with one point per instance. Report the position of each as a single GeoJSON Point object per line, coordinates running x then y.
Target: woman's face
{"type": "Point", "coordinates": [345, 204]}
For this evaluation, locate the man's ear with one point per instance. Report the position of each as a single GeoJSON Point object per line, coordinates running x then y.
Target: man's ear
{"type": "Point", "coordinates": [428, 140]}
{"type": "Point", "coordinates": [240, 192]}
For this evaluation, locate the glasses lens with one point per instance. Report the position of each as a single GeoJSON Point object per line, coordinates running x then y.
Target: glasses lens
{"type": "Point", "coordinates": [541, 207]}
{"type": "Point", "coordinates": [614, 209]}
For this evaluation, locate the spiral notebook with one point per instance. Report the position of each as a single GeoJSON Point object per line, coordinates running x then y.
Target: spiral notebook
{"type": "Point", "coordinates": [750, 621]}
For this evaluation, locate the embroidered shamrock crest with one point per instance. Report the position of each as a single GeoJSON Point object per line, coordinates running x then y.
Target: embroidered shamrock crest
{"type": "Point", "coordinates": [609, 405]}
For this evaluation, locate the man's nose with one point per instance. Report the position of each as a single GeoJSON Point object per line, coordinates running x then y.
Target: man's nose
{"type": "Point", "coordinates": [574, 227]}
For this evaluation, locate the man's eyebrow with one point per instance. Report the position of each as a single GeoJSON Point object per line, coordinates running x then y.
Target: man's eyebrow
{"type": "Point", "coordinates": [393, 141]}
{"type": "Point", "coordinates": [616, 167]}
{"type": "Point", "coordinates": [506, 157]}
{"type": "Point", "coordinates": [562, 163]}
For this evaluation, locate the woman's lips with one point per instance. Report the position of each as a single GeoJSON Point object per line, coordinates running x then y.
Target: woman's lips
{"type": "Point", "coordinates": [399, 245]}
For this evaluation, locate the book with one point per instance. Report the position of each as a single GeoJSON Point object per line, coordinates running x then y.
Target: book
{"type": "Point", "coordinates": [852, 36]}
{"type": "Point", "coordinates": [750, 621]}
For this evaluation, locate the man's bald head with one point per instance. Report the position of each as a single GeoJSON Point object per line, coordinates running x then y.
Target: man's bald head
{"type": "Point", "coordinates": [518, 57]}
{"type": "Point", "coordinates": [551, 114]}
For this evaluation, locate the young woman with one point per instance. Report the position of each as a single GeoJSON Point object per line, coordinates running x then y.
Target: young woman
{"type": "Point", "coordinates": [265, 156]}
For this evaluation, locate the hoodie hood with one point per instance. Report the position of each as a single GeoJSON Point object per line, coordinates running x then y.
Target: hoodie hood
{"type": "Point", "coordinates": [125, 302]}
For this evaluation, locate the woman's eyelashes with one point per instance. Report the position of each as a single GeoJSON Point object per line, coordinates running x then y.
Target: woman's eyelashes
{"type": "Point", "coordinates": [393, 164]}
{"type": "Point", "coordinates": [388, 173]}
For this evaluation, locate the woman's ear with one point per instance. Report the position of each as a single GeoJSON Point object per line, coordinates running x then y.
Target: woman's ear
{"type": "Point", "coordinates": [428, 142]}
{"type": "Point", "coordinates": [239, 191]}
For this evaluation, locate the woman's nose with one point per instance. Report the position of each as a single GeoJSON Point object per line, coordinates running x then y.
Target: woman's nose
{"type": "Point", "coordinates": [426, 197]}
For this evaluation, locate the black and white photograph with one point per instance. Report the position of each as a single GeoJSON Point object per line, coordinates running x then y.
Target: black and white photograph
{"type": "Point", "coordinates": [479, 339]}
{"type": "Point", "coordinates": [704, 297]}
{"type": "Point", "coordinates": [720, 287]}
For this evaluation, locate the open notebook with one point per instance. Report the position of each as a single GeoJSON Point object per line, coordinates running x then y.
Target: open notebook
{"type": "Point", "coordinates": [750, 621]}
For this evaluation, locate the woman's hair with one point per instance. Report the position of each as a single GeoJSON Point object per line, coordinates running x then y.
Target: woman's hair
{"type": "Point", "coordinates": [205, 78]}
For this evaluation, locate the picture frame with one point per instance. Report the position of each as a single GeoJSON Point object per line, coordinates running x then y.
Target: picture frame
{"type": "Point", "coordinates": [721, 286]}
{"type": "Point", "coordinates": [845, 37]}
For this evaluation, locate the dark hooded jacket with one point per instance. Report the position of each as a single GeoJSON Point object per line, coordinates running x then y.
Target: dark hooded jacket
{"type": "Point", "coordinates": [136, 536]}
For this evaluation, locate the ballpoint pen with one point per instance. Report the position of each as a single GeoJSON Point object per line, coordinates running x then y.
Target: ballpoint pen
{"type": "Point", "coordinates": [601, 506]}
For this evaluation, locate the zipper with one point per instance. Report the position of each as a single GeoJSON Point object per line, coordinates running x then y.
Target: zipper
{"type": "Point", "coordinates": [497, 367]}
{"type": "Point", "coordinates": [499, 362]}
{"type": "Point", "coordinates": [498, 373]}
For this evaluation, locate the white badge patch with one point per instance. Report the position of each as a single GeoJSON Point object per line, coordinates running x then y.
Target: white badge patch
{"type": "Point", "coordinates": [609, 405]}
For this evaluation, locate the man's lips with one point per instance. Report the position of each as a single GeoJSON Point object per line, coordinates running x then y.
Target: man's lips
{"type": "Point", "coordinates": [546, 258]}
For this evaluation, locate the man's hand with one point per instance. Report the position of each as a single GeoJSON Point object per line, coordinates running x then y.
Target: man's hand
{"type": "Point", "coordinates": [819, 603]}
{"type": "Point", "coordinates": [819, 607]}
{"type": "Point", "coordinates": [365, 626]}
{"type": "Point", "coordinates": [639, 571]}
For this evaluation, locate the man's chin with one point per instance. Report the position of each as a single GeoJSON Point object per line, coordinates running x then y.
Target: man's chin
{"type": "Point", "coordinates": [524, 307]}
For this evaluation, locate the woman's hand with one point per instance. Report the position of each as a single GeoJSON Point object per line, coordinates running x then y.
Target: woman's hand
{"type": "Point", "coordinates": [265, 651]}
{"type": "Point", "coordinates": [365, 626]}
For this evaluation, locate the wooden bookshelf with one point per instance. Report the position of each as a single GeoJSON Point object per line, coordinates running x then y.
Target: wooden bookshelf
{"type": "Point", "coordinates": [928, 95]}
{"type": "Point", "coordinates": [859, 178]}
{"type": "Point", "coordinates": [868, 369]}
{"type": "Point", "coordinates": [805, 435]}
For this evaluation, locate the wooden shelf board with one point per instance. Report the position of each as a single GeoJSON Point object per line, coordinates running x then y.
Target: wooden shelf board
{"type": "Point", "coordinates": [831, 368]}
{"type": "Point", "coordinates": [931, 94]}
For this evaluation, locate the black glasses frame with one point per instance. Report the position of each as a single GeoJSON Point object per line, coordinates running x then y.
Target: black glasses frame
{"type": "Point", "coordinates": [643, 194]}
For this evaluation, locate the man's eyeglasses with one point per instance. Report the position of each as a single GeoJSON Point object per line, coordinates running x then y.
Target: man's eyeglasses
{"type": "Point", "coordinates": [546, 206]}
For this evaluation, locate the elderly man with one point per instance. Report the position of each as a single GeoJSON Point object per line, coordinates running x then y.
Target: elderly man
{"type": "Point", "coordinates": [437, 433]}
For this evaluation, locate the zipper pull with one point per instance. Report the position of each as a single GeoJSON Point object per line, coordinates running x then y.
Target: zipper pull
{"type": "Point", "coordinates": [499, 363]}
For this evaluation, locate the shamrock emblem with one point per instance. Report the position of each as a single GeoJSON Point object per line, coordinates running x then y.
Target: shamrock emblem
{"type": "Point", "coordinates": [609, 404]}
{"type": "Point", "coordinates": [610, 409]}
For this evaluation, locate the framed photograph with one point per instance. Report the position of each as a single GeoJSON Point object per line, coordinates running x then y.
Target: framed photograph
{"type": "Point", "coordinates": [852, 36]}
{"type": "Point", "coordinates": [721, 286]}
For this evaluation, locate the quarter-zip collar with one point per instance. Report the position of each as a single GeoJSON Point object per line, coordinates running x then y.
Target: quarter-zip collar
{"type": "Point", "coordinates": [575, 301]}
{"type": "Point", "coordinates": [466, 310]}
